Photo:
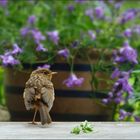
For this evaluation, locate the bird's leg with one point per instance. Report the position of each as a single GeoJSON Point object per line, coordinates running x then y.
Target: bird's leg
{"type": "Point", "coordinates": [36, 109]}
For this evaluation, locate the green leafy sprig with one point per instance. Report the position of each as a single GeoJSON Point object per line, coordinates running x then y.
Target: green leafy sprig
{"type": "Point", "coordinates": [84, 127]}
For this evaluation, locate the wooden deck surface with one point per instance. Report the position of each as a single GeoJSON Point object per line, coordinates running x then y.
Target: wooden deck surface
{"type": "Point", "coordinates": [61, 130]}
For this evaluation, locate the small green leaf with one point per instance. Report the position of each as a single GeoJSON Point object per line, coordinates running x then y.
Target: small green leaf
{"type": "Point", "coordinates": [85, 127]}
{"type": "Point", "coordinates": [76, 130]}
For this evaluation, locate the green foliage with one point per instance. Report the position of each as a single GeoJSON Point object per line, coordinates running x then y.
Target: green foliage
{"type": "Point", "coordinates": [71, 25]}
{"type": "Point", "coordinates": [2, 99]}
{"type": "Point", "coordinates": [84, 127]}
{"type": "Point", "coordinates": [76, 130]}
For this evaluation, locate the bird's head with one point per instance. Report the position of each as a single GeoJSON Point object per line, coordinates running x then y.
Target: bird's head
{"type": "Point", "coordinates": [48, 73]}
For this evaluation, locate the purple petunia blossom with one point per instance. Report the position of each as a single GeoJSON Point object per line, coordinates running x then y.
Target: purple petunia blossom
{"type": "Point", "coordinates": [99, 12]}
{"type": "Point", "coordinates": [123, 84]}
{"type": "Point", "coordinates": [128, 15]}
{"type": "Point", "coordinates": [80, 1]}
{"type": "Point", "coordinates": [35, 33]}
{"type": "Point", "coordinates": [128, 33]}
{"type": "Point", "coordinates": [16, 49]}
{"type": "Point", "coordinates": [123, 114]}
{"type": "Point", "coordinates": [126, 53]}
{"type": "Point", "coordinates": [136, 29]}
{"type": "Point", "coordinates": [9, 60]}
{"type": "Point", "coordinates": [118, 100]}
{"type": "Point", "coordinates": [117, 5]}
{"type": "Point", "coordinates": [120, 86]}
{"type": "Point", "coordinates": [73, 80]}
{"type": "Point", "coordinates": [109, 99]}
{"type": "Point", "coordinates": [65, 53]}
{"type": "Point", "coordinates": [70, 8]}
{"type": "Point", "coordinates": [137, 118]}
{"type": "Point", "coordinates": [31, 1]}
{"type": "Point", "coordinates": [32, 19]}
{"type": "Point", "coordinates": [44, 66]}
{"type": "Point", "coordinates": [53, 36]}
{"type": "Point", "coordinates": [3, 3]}
{"type": "Point", "coordinates": [38, 36]}
{"type": "Point", "coordinates": [111, 1]}
{"type": "Point", "coordinates": [40, 47]}
{"type": "Point", "coordinates": [89, 12]}
{"type": "Point", "coordinates": [92, 35]}
{"type": "Point", "coordinates": [115, 73]}
{"type": "Point", "coordinates": [24, 31]}
{"type": "Point", "coordinates": [105, 101]}
{"type": "Point", "coordinates": [75, 44]}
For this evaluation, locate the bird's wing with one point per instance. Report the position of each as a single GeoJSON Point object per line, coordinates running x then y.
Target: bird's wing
{"type": "Point", "coordinates": [28, 96]}
{"type": "Point", "coordinates": [30, 92]}
{"type": "Point", "coordinates": [47, 95]}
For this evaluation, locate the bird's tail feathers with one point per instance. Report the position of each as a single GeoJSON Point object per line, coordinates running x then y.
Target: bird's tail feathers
{"type": "Point", "coordinates": [44, 114]}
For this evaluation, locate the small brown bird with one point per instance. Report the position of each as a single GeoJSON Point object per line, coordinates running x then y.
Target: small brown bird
{"type": "Point", "coordinates": [39, 94]}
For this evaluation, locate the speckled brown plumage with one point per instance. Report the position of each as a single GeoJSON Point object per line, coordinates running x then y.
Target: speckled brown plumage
{"type": "Point", "coordinates": [39, 94]}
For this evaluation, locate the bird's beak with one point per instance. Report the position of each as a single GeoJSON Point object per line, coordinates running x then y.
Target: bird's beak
{"type": "Point", "coordinates": [53, 73]}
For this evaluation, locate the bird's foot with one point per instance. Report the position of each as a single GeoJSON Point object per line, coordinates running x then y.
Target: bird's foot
{"type": "Point", "coordinates": [34, 123]}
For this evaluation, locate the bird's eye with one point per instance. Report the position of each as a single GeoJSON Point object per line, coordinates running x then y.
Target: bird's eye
{"type": "Point", "coordinates": [45, 72]}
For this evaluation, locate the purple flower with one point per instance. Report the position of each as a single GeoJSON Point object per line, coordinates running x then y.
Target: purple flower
{"type": "Point", "coordinates": [136, 29]}
{"type": "Point", "coordinates": [65, 53]}
{"type": "Point", "coordinates": [80, 1]}
{"type": "Point", "coordinates": [24, 31]}
{"type": "Point", "coordinates": [16, 49]}
{"type": "Point", "coordinates": [9, 60]}
{"type": "Point", "coordinates": [118, 5]}
{"type": "Point", "coordinates": [99, 12]}
{"type": "Point", "coordinates": [73, 80]}
{"type": "Point", "coordinates": [44, 66]}
{"type": "Point", "coordinates": [3, 3]}
{"type": "Point", "coordinates": [137, 119]}
{"type": "Point", "coordinates": [118, 100]}
{"type": "Point", "coordinates": [75, 44]}
{"type": "Point", "coordinates": [128, 15]}
{"type": "Point", "coordinates": [37, 35]}
{"type": "Point", "coordinates": [53, 36]}
{"type": "Point", "coordinates": [105, 101]}
{"type": "Point", "coordinates": [123, 84]}
{"type": "Point", "coordinates": [123, 114]}
{"type": "Point", "coordinates": [115, 73]}
{"type": "Point", "coordinates": [128, 33]}
{"type": "Point", "coordinates": [111, 1]}
{"type": "Point", "coordinates": [32, 19]}
{"type": "Point", "coordinates": [92, 35]}
{"type": "Point", "coordinates": [40, 47]}
{"type": "Point", "coordinates": [120, 86]}
{"type": "Point", "coordinates": [89, 12]}
{"type": "Point", "coordinates": [70, 8]}
{"type": "Point", "coordinates": [110, 95]}
{"type": "Point", "coordinates": [31, 1]}
{"type": "Point", "coordinates": [126, 53]}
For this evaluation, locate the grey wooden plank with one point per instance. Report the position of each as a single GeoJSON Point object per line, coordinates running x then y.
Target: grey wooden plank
{"type": "Point", "coordinates": [61, 130]}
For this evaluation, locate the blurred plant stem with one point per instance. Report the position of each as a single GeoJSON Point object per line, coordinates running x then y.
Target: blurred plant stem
{"type": "Point", "coordinates": [114, 112]}
{"type": "Point", "coordinates": [2, 98]}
